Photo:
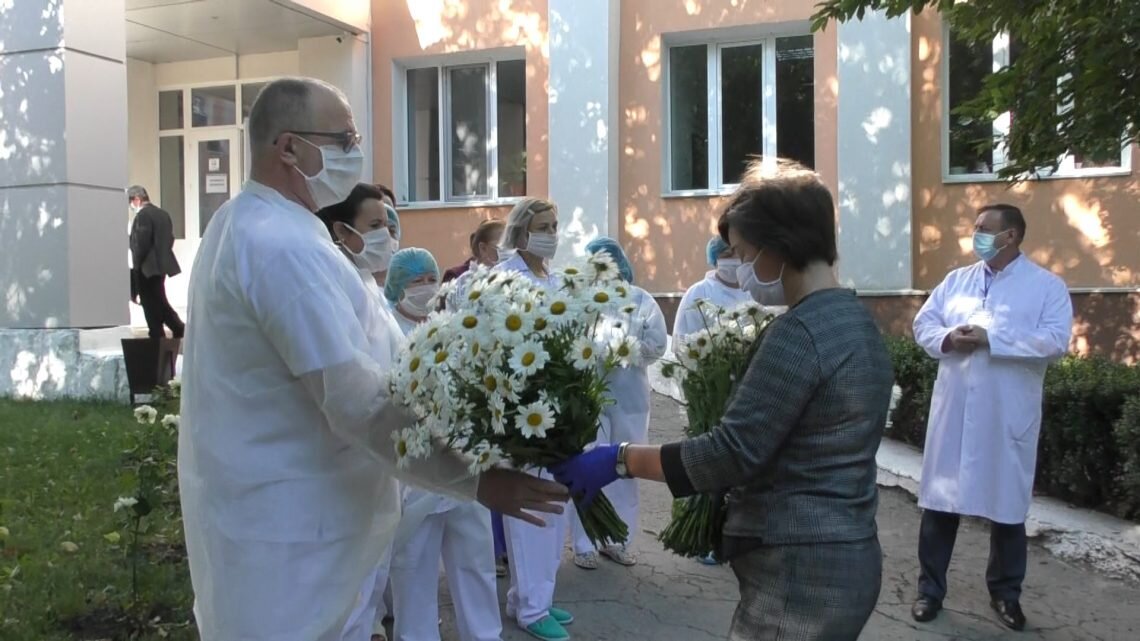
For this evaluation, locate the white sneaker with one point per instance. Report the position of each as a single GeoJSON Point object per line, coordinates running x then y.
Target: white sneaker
{"type": "Point", "coordinates": [586, 560]}
{"type": "Point", "coordinates": [619, 554]}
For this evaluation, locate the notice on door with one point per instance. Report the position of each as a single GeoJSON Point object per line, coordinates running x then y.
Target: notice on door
{"type": "Point", "coordinates": [217, 184]}
{"type": "Point", "coordinates": [215, 164]}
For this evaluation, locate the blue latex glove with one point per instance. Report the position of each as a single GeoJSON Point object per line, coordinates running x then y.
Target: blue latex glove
{"type": "Point", "coordinates": [586, 474]}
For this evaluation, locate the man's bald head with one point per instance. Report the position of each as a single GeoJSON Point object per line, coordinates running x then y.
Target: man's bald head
{"type": "Point", "coordinates": [292, 104]}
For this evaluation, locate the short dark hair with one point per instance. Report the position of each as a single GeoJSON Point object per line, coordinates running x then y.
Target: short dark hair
{"type": "Point", "coordinates": [1011, 217]}
{"type": "Point", "coordinates": [138, 191]}
{"type": "Point", "coordinates": [345, 211]}
{"type": "Point", "coordinates": [482, 233]}
{"type": "Point", "coordinates": [387, 192]}
{"type": "Point", "coordinates": [784, 208]}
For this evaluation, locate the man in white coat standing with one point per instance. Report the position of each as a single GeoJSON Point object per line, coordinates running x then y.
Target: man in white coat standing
{"type": "Point", "coordinates": [994, 327]}
{"type": "Point", "coordinates": [286, 446]}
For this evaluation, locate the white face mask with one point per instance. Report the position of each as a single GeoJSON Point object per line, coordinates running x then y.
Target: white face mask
{"type": "Point", "coordinates": [377, 252]}
{"type": "Point", "coordinates": [339, 174]}
{"type": "Point", "coordinates": [769, 293]}
{"type": "Point", "coordinates": [135, 208]}
{"type": "Point", "coordinates": [417, 299]}
{"type": "Point", "coordinates": [726, 270]}
{"type": "Point", "coordinates": [542, 245]}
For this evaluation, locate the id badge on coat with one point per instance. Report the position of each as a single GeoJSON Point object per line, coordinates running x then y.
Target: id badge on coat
{"type": "Point", "coordinates": [982, 317]}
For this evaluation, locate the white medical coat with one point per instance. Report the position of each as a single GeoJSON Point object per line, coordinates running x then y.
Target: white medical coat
{"type": "Point", "coordinates": [628, 416]}
{"type": "Point", "coordinates": [985, 416]}
{"type": "Point", "coordinates": [285, 455]}
{"type": "Point", "coordinates": [689, 317]}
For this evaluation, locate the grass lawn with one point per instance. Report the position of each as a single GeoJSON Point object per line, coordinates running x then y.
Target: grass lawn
{"type": "Point", "coordinates": [64, 562]}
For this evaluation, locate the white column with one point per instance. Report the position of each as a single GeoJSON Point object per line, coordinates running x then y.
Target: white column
{"type": "Point", "coordinates": [63, 163]}
{"type": "Point", "coordinates": [875, 153]}
{"type": "Point", "coordinates": [584, 120]}
{"type": "Point", "coordinates": [345, 62]}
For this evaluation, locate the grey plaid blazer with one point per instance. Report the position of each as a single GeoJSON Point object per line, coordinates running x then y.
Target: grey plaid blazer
{"type": "Point", "coordinates": [797, 443]}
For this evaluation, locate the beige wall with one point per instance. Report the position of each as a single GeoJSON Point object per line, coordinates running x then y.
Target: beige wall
{"type": "Point", "coordinates": [1086, 230]}
{"type": "Point", "coordinates": [666, 237]}
{"type": "Point", "coordinates": [444, 27]}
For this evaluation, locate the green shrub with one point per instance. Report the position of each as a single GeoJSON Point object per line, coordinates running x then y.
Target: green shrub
{"type": "Point", "coordinates": [1077, 457]}
{"type": "Point", "coordinates": [1089, 450]}
{"type": "Point", "coordinates": [1127, 433]}
{"type": "Point", "coordinates": [915, 372]}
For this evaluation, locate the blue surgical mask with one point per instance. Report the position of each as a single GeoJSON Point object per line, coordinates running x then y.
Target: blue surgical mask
{"type": "Point", "coordinates": [985, 245]}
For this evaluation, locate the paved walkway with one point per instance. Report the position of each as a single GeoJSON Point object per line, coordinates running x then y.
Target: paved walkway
{"type": "Point", "coordinates": [666, 598]}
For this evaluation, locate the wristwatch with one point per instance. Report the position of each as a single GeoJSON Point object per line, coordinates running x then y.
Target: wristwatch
{"type": "Point", "coordinates": [620, 466]}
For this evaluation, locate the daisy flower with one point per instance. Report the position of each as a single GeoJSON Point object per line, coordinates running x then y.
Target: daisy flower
{"type": "Point", "coordinates": [584, 353]}
{"type": "Point", "coordinates": [626, 351]}
{"type": "Point", "coordinates": [171, 421]}
{"type": "Point", "coordinates": [486, 456]}
{"type": "Point", "coordinates": [601, 267]}
{"type": "Point", "coordinates": [498, 409]}
{"type": "Point", "coordinates": [534, 420]}
{"type": "Point", "coordinates": [528, 357]}
{"type": "Point", "coordinates": [511, 324]}
{"type": "Point", "coordinates": [145, 414]}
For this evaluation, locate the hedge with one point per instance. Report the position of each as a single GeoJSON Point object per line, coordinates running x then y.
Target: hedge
{"type": "Point", "coordinates": [1089, 450]}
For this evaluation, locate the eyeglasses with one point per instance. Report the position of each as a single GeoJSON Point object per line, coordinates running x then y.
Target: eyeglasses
{"type": "Point", "coordinates": [346, 139]}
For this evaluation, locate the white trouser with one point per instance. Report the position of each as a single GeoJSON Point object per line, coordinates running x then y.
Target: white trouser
{"type": "Point", "coordinates": [615, 429]}
{"type": "Point", "coordinates": [369, 606]}
{"type": "Point", "coordinates": [462, 536]}
{"type": "Point", "coordinates": [534, 554]}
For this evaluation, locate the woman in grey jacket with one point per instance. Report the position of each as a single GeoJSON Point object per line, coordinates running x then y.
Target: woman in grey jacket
{"type": "Point", "coordinates": [796, 446]}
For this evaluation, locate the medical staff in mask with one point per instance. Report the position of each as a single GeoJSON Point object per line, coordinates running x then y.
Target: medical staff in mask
{"type": "Point", "coordinates": [434, 526]}
{"type": "Point", "coordinates": [529, 243]}
{"type": "Point", "coordinates": [412, 285]}
{"type": "Point", "coordinates": [359, 225]}
{"type": "Point", "coordinates": [393, 225]}
{"type": "Point", "coordinates": [719, 288]}
{"type": "Point", "coordinates": [626, 420]}
{"type": "Point", "coordinates": [286, 464]}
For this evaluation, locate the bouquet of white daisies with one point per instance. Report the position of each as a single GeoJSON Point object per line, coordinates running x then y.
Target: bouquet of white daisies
{"type": "Point", "coordinates": [709, 363]}
{"type": "Point", "coordinates": [517, 372]}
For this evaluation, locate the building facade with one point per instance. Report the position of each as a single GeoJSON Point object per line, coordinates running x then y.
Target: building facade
{"type": "Point", "coordinates": [635, 116]}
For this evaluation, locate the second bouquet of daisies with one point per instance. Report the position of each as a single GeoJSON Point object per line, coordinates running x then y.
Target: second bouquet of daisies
{"type": "Point", "coordinates": [517, 372]}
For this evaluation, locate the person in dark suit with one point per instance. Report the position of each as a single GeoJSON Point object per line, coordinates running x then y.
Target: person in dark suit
{"type": "Point", "coordinates": [152, 254]}
{"type": "Point", "coordinates": [796, 445]}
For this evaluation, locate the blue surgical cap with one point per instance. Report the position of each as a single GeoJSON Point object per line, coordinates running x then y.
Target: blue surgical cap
{"type": "Point", "coordinates": [611, 247]}
{"type": "Point", "coordinates": [408, 264]}
{"type": "Point", "coordinates": [715, 248]}
{"type": "Point", "coordinates": [393, 218]}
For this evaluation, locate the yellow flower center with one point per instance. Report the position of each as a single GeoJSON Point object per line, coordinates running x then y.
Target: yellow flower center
{"type": "Point", "coordinates": [474, 295]}
{"type": "Point", "coordinates": [623, 350]}
{"type": "Point", "coordinates": [527, 359]}
{"type": "Point", "coordinates": [470, 322]}
{"type": "Point", "coordinates": [558, 308]}
{"type": "Point", "coordinates": [432, 332]}
{"type": "Point", "coordinates": [571, 271]}
{"type": "Point", "coordinates": [534, 419]}
{"type": "Point", "coordinates": [623, 292]}
{"type": "Point", "coordinates": [513, 323]}
{"type": "Point", "coordinates": [539, 324]}
{"type": "Point", "coordinates": [440, 356]}
{"type": "Point", "coordinates": [402, 448]}
{"type": "Point", "coordinates": [588, 352]}
{"type": "Point", "coordinates": [601, 297]}
{"type": "Point", "coordinates": [490, 383]}
{"type": "Point", "coordinates": [414, 386]}
{"type": "Point", "coordinates": [414, 366]}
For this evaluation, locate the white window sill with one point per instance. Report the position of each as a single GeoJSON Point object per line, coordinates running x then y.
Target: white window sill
{"type": "Point", "coordinates": [700, 193]}
{"type": "Point", "coordinates": [459, 204]}
{"type": "Point", "coordinates": [1116, 172]}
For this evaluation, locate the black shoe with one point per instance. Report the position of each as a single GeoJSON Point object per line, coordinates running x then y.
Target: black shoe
{"type": "Point", "coordinates": [925, 609]}
{"type": "Point", "coordinates": [1009, 613]}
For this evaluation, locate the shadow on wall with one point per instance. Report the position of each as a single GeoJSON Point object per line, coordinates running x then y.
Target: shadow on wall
{"type": "Point", "coordinates": [33, 235]}
{"type": "Point", "coordinates": [1085, 230]}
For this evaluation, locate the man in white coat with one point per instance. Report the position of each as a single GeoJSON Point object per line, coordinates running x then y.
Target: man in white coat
{"type": "Point", "coordinates": [994, 327]}
{"type": "Point", "coordinates": [286, 449]}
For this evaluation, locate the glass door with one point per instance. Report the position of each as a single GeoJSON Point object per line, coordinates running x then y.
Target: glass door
{"type": "Point", "coordinates": [213, 176]}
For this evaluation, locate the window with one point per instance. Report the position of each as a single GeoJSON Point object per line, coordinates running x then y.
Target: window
{"type": "Point", "coordinates": [761, 97]}
{"type": "Point", "coordinates": [466, 132]}
{"type": "Point", "coordinates": [967, 67]}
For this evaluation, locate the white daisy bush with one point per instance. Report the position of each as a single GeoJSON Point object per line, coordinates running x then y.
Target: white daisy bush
{"type": "Point", "coordinates": [709, 363]}
{"type": "Point", "coordinates": [516, 373]}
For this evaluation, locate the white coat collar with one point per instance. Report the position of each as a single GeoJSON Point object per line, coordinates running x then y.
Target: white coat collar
{"type": "Point", "coordinates": [298, 214]}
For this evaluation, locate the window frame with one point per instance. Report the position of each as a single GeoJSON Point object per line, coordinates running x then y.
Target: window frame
{"type": "Point", "coordinates": [1065, 170]}
{"type": "Point", "coordinates": [715, 43]}
{"type": "Point", "coordinates": [401, 135]}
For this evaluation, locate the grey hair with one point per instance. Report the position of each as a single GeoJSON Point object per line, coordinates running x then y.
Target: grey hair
{"type": "Point", "coordinates": [519, 220]}
{"type": "Point", "coordinates": [286, 104]}
{"type": "Point", "coordinates": [137, 191]}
